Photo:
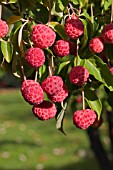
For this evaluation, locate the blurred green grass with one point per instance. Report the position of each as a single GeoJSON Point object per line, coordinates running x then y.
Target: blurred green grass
{"type": "Point", "coordinates": [27, 143]}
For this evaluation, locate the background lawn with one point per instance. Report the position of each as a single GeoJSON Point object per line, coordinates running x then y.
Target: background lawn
{"type": "Point", "coordinates": [29, 144]}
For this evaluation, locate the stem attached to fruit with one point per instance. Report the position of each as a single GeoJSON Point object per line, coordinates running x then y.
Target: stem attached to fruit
{"type": "Point", "coordinates": [92, 15]}
{"type": "Point", "coordinates": [83, 99]}
{"type": "Point", "coordinates": [53, 67]}
{"type": "Point", "coordinates": [112, 12]}
{"type": "Point", "coordinates": [49, 66]}
{"type": "Point", "coordinates": [36, 74]}
{"type": "Point", "coordinates": [22, 69]}
{"type": "Point", "coordinates": [49, 6]}
{"type": "Point", "coordinates": [70, 9]}
{"type": "Point", "coordinates": [77, 52]}
{"type": "Point", "coordinates": [0, 10]}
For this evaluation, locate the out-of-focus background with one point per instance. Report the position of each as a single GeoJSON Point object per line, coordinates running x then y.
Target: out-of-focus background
{"type": "Point", "coordinates": [27, 143]}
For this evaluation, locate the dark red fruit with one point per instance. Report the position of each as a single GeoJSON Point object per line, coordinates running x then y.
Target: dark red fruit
{"type": "Point", "coordinates": [44, 111]}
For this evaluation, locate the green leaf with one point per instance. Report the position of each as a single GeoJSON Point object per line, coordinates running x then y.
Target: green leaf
{"type": "Point", "coordinates": [8, 1]}
{"type": "Point", "coordinates": [107, 3]}
{"type": "Point", "coordinates": [48, 49]}
{"type": "Point", "coordinates": [100, 71]}
{"type": "Point", "coordinates": [59, 29]}
{"type": "Point", "coordinates": [14, 65]}
{"type": "Point", "coordinates": [82, 3]}
{"type": "Point", "coordinates": [76, 2]}
{"type": "Point", "coordinates": [40, 12]}
{"type": "Point", "coordinates": [59, 7]}
{"type": "Point", "coordinates": [110, 99]}
{"type": "Point", "coordinates": [85, 36]}
{"type": "Point", "coordinates": [13, 19]}
{"type": "Point", "coordinates": [62, 65]}
{"type": "Point", "coordinates": [7, 50]}
{"type": "Point", "coordinates": [20, 44]}
{"type": "Point", "coordinates": [42, 70]}
{"type": "Point", "coordinates": [60, 118]}
{"type": "Point", "coordinates": [59, 123]}
{"type": "Point", "coordinates": [93, 101]}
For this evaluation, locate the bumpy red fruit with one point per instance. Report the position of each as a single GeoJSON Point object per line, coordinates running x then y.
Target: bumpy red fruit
{"type": "Point", "coordinates": [111, 70]}
{"type": "Point", "coordinates": [84, 118]}
{"type": "Point", "coordinates": [107, 33]}
{"type": "Point", "coordinates": [35, 57]}
{"type": "Point", "coordinates": [27, 83]}
{"type": "Point", "coordinates": [61, 48]}
{"type": "Point", "coordinates": [33, 94]}
{"type": "Point", "coordinates": [97, 123]}
{"type": "Point", "coordinates": [3, 28]}
{"type": "Point", "coordinates": [78, 75]}
{"type": "Point", "coordinates": [52, 85]}
{"type": "Point", "coordinates": [73, 27]}
{"type": "Point", "coordinates": [73, 48]}
{"type": "Point", "coordinates": [44, 111]}
{"type": "Point", "coordinates": [43, 36]}
{"type": "Point", "coordinates": [96, 45]}
{"type": "Point", "coordinates": [59, 97]}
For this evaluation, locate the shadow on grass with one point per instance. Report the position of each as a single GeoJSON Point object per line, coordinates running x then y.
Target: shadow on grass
{"type": "Point", "coordinates": [88, 164]}
{"type": "Point", "coordinates": [14, 142]}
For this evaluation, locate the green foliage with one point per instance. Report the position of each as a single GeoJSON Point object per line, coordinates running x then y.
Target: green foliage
{"type": "Point", "coordinates": [21, 16]}
{"type": "Point", "coordinates": [6, 49]}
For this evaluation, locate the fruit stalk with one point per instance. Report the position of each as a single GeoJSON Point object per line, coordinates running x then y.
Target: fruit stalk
{"type": "Point", "coordinates": [0, 10]}
{"type": "Point", "coordinates": [22, 69]}
{"type": "Point", "coordinates": [77, 51]}
{"type": "Point", "coordinates": [49, 6]}
{"type": "Point", "coordinates": [83, 99]}
{"type": "Point", "coordinates": [112, 11]}
{"type": "Point", "coordinates": [92, 15]}
{"type": "Point", "coordinates": [49, 66]}
{"type": "Point", "coordinates": [36, 74]}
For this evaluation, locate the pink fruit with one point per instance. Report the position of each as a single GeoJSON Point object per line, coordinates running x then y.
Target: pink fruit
{"type": "Point", "coordinates": [52, 85]}
{"type": "Point", "coordinates": [96, 45]}
{"type": "Point", "coordinates": [78, 75]}
{"type": "Point", "coordinates": [35, 57]}
{"type": "Point", "coordinates": [59, 97]}
{"type": "Point", "coordinates": [27, 83]}
{"type": "Point", "coordinates": [44, 111]}
{"type": "Point", "coordinates": [84, 118]}
{"type": "Point", "coordinates": [64, 47]}
{"type": "Point", "coordinates": [107, 33]}
{"type": "Point", "coordinates": [97, 123]}
{"type": "Point", "coordinates": [61, 48]}
{"type": "Point", "coordinates": [73, 48]}
{"type": "Point", "coordinates": [3, 28]}
{"type": "Point", "coordinates": [111, 70]}
{"type": "Point", "coordinates": [73, 27]}
{"type": "Point", "coordinates": [33, 94]}
{"type": "Point", "coordinates": [43, 36]}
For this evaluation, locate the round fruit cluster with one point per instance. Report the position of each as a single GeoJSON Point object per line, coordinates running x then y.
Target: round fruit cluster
{"type": "Point", "coordinates": [44, 37]}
